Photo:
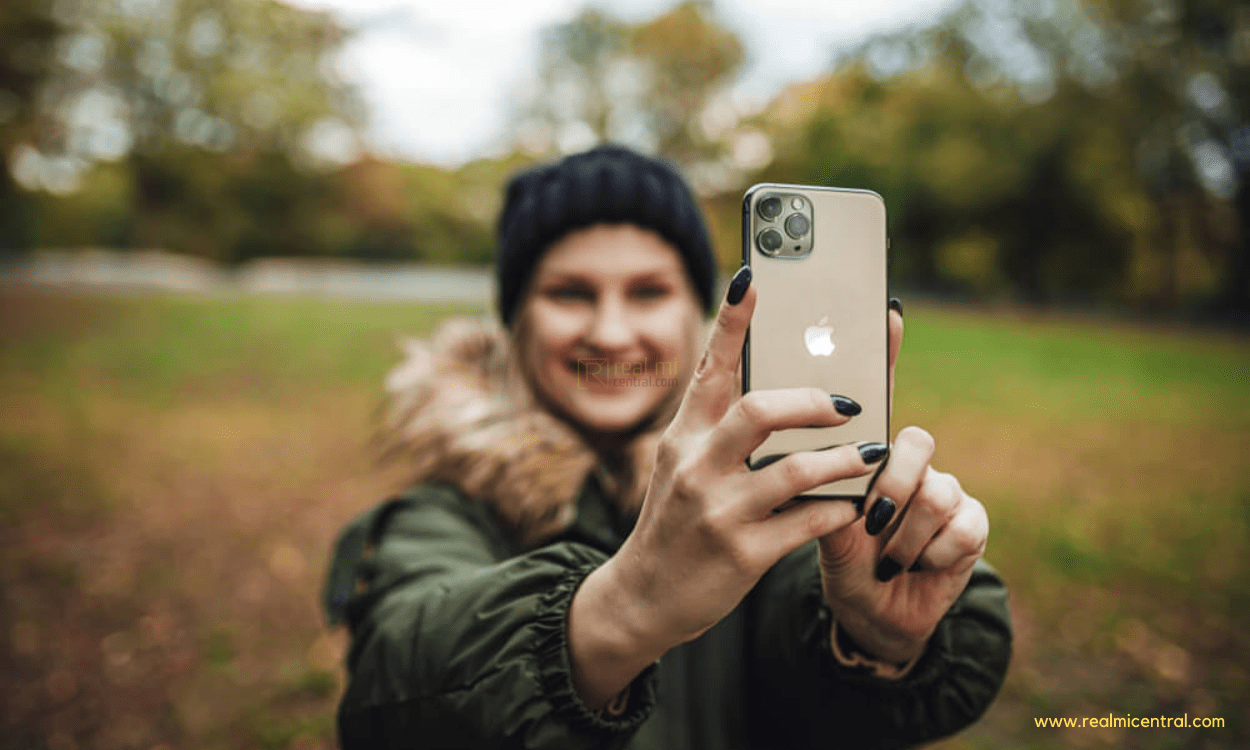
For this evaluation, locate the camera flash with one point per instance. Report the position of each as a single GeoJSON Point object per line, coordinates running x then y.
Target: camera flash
{"type": "Point", "coordinates": [796, 203]}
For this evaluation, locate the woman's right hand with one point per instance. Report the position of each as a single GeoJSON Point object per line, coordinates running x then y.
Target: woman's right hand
{"type": "Point", "coordinates": [707, 531]}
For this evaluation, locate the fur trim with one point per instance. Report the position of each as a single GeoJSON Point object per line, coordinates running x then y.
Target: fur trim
{"type": "Point", "coordinates": [458, 412]}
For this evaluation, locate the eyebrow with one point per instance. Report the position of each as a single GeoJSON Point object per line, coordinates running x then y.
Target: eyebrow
{"type": "Point", "coordinates": [558, 277]}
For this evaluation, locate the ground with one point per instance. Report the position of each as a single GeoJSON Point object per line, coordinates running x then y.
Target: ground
{"type": "Point", "coordinates": [173, 471]}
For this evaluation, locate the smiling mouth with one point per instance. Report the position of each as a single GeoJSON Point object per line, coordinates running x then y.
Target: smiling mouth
{"type": "Point", "coordinates": [607, 369]}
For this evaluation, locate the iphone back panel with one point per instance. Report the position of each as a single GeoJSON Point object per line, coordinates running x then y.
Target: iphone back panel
{"type": "Point", "coordinates": [818, 262]}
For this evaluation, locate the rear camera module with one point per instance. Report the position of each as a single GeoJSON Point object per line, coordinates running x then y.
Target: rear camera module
{"type": "Point", "coordinates": [770, 207]}
{"type": "Point", "coordinates": [797, 225]}
{"type": "Point", "coordinates": [769, 240]}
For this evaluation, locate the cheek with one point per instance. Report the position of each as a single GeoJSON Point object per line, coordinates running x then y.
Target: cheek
{"type": "Point", "coordinates": [553, 334]}
{"type": "Point", "coordinates": [673, 331]}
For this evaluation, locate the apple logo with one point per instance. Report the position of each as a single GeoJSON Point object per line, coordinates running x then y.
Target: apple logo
{"type": "Point", "coordinates": [819, 338]}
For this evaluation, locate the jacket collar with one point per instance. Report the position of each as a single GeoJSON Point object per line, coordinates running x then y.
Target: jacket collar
{"type": "Point", "coordinates": [600, 523]}
{"type": "Point", "coordinates": [458, 413]}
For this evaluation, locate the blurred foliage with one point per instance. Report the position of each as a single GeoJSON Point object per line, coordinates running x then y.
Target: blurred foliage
{"type": "Point", "coordinates": [219, 129]}
{"type": "Point", "coordinates": [647, 85]}
{"type": "Point", "coordinates": [1054, 150]}
{"type": "Point", "coordinates": [1089, 151]}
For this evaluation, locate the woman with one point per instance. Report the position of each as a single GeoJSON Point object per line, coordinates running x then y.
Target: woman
{"type": "Point", "coordinates": [586, 562]}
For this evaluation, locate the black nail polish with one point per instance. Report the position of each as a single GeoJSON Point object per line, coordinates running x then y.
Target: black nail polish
{"type": "Point", "coordinates": [887, 569]}
{"type": "Point", "coordinates": [873, 452]}
{"type": "Point", "coordinates": [738, 285]}
{"type": "Point", "coordinates": [881, 514]}
{"type": "Point", "coordinates": [896, 305]}
{"type": "Point", "coordinates": [845, 406]}
{"type": "Point", "coordinates": [771, 458]}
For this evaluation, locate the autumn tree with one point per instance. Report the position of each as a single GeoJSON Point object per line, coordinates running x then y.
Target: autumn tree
{"type": "Point", "coordinates": [647, 84]}
{"type": "Point", "coordinates": [217, 112]}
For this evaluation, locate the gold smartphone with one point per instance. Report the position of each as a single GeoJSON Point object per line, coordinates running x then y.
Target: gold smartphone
{"type": "Point", "coordinates": [818, 263]}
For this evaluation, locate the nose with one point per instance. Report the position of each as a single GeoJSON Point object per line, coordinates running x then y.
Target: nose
{"type": "Point", "coordinates": [610, 328]}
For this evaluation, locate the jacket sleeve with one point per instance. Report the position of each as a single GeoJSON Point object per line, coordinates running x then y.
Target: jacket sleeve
{"type": "Point", "coordinates": [807, 698]}
{"type": "Point", "coordinates": [458, 643]}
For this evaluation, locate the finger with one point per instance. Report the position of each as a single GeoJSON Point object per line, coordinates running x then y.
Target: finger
{"type": "Point", "coordinates": [771, 486]}
{"type": "Point", "coordinates": [896, 341]}
{"type": "Point", "coordinates": [758, 414]}
{"type": "Point", "coordinates": [961, 541]}
{"type": "Point", "coordinates": [930, 509]}
{"type": "Point", "coordinates": [909, 460]}
{"type": "Point", "coordinates": [784, 532]}
{"type": "Point", "coordinates": [716, 383]}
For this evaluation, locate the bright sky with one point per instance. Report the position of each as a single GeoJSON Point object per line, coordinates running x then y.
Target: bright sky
{"type": "Point", "coordinates": [440, 78]}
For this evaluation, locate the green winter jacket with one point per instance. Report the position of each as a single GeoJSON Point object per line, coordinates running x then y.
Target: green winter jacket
{"type": "Point", "coordinates": [459, 641]}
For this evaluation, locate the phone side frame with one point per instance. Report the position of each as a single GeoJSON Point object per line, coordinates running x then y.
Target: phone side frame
{"type": "Point", "coordinates": [748, 244]}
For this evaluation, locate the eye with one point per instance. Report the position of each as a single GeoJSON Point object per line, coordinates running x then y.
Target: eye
{"type": "Point", "coordinates": [650, 291]}
{"type": "Point", "coordinates": [570, 293]}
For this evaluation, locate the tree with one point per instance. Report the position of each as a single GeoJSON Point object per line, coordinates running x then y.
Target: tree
{"type": "Point", "coordinates": [1057, 148]}
{"type": "Point", "coordinates": [27, 33]}
{"type": "Point", "coordinates": [648, 85]}
{"type": "Point", "coordinates": [203, 101]}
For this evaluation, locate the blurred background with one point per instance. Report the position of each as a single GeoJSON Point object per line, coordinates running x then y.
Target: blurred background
{"type": "Point", "coordinates": [218, 218]}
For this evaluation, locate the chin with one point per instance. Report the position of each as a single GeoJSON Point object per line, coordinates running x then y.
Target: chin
{"type": "Point", "coordinates": [608, 415]}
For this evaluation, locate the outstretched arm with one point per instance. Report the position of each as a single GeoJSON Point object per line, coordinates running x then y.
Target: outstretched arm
{"type": "Point", "coordinates": [458, 643]}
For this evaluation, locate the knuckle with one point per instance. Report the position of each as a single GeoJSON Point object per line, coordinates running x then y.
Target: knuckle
{"type": "Point", "coordinates": [819, 401]}
{"type": "Point", "coordinates": [751, 407]}
{"type": "Point", "coordinates": [797, 472]}
{"type": "Point", "coordinates": [686, 483]}
{"type": "Point", "coordinates": [982, 523]}
{"type": "Point", "coordinates": [815, 521]}
{"type": "Point", "coordinates": [705, 367]}
{"type": "Point", "coordinates": [944, 497]}
{"type": "Point", "coordinates": [667, 450]}
{"type": "Point", "coordinates": [918, 438]}
{"type": "Point", "coordinates": [977, 508]}
{"type": "Point", "coordinates": [716, 528]}
{"type": "Point", "coordinates": [966, 540]}
{"type": "Point", "coordinates": [711, 526]}
{"type": "Point", "coordinates": [954, 492]}
{"type": "Point", "coordinates": [739, 556]}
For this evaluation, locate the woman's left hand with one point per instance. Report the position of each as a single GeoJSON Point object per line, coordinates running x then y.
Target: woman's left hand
{"type": "Point", "coordinates": [887, 607]}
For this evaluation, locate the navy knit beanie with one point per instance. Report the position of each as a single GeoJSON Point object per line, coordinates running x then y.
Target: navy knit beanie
{"type": "Point", "coordinates": [606, 185]}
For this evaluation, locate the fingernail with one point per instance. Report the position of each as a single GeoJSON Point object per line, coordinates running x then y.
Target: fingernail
{"type": "Point", "coordinates": [880, 515]}
{"type": "Point", "coordinates": [873, 452]}
{"type": "Point", "coordinates": [738, 285]}
{"type": "Point", "coordinates": [845, 406]}
{"type": "Point", "coordinates": [914, 567]}
{"type": "Point", "coordinates": [771, 458]}
{"type": "Point", "coordinates": [887, 569]}
{"type": "Point", "coordinates": [896, 305]}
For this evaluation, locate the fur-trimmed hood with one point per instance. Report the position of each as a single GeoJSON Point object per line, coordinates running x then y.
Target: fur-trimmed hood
{"type": "Point", "coordinates": [458, 412]}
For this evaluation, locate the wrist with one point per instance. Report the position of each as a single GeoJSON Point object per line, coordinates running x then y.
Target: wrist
{"type": "Point", "coordinates": [877, 643]}
{"type": "Point", "coordinates": [850, 654]}
{"type": "Point", "coordinates": [608, 646]}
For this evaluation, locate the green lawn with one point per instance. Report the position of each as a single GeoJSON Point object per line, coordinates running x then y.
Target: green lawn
{"type": "Point", "coordinates": [173, 470]}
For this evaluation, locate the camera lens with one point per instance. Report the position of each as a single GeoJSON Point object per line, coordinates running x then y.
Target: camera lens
{"type": "Point", "coordinates": [797, 225]}
{"type": "Point", "coordinates": [770, 207]}
{"type": "Point", "coordinates": [769, 240]}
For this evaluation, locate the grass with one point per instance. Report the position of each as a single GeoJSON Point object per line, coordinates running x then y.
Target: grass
{"type": "Point", "coordinates": [173, 471]}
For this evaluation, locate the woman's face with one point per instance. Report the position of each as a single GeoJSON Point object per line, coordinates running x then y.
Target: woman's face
{"type": "Point", "coordinates": [610, 322]}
